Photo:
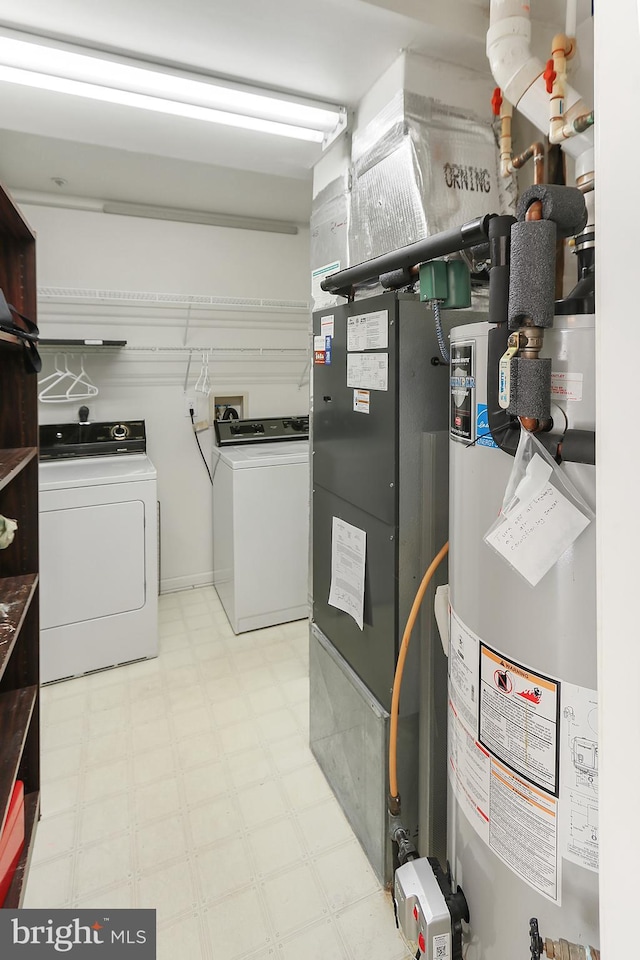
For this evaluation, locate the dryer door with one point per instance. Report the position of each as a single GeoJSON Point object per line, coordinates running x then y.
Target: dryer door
{"type": "Point", "coordinates": [92, 561]}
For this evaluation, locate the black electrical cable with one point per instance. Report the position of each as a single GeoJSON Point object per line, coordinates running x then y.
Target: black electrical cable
{"type": "Point", "coordinates": [504, 426]}
{"type": "Point", "coordinates": [195, 433]}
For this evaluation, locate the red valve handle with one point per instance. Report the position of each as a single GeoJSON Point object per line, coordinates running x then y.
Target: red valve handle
{"type": "Point", "coordinates": [496, 101]}
{"type": "Point", "coordinates": [549, 76]}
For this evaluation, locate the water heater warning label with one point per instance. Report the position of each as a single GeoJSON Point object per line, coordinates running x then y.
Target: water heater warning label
{"type": "Point", "coordinates": [503, 753]}
{"type": "Point", "coordinates": [519, 716]}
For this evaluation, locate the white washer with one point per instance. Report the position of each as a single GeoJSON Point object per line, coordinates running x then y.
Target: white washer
{"type": "Point", "coordinates": [98, 564]}
{"type": "Point", "coordinates": [261, 532]}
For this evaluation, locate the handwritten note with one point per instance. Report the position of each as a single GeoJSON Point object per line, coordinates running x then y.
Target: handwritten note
{"type": "Point", "coordinates": [539, 527]}
{"type": "Point", "coordinates": [348, 555]}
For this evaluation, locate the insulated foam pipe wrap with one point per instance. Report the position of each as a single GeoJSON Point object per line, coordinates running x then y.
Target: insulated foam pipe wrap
{"type": "Point", "coordinates": [565, 206]}
{"type": "Point", "coordinates": [533, 274]}
{"type": "Point", "coordinates": [530, 388]}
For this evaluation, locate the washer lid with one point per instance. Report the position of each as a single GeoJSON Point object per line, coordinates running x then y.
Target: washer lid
{"type": "Point", "coordinates": [91, 472]}
{"type": "Point", "coordinates": [264, 454]}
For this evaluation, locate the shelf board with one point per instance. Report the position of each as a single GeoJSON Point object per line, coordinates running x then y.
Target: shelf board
{"type": "Point", "coordinates": [12, 461]}
{"type": "Point", "coordinates": [8, 338]}
{"type": "Point", "coordinates": [16, 594]}
{"type": "Point", "coordinates": [15, 894]}
{"type": "Point", "coordinates": [16, 708]}
{"type": "Point", "coordinates": [96, 342]}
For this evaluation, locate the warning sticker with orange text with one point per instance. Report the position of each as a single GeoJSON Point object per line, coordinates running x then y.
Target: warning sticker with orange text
{"type": "Point", "coordinates": [519, 717]}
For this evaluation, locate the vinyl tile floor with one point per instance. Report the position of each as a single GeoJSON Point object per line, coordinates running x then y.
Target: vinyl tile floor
{"type": "Point", "coordinates": [186, 784]}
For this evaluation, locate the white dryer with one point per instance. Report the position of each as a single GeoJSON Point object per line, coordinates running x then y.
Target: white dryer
{"type": "Point", "coordinates": [98, 548]}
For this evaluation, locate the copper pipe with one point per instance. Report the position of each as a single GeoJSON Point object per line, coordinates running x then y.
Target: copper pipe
{"type": "Point", "coordinates": [529, 423]}
{"type": "Point", "coordinates": [536, 426]}
{"type": "Point", "coordinates": [535, 150]}
{"type": "Point", "coordinates": [582, 123]}
{"type": "Point", "coordinates": [563, 950]}
{"type": "Point", "coordinates": [586, 183]}
{"type": "Point", "coordinates": [535, 211]}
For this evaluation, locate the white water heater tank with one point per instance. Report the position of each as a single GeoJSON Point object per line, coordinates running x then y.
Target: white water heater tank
{"type": "Point", "coordinates": [522, 742]}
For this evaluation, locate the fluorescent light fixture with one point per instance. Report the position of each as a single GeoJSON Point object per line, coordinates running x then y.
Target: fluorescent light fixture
{"type": "Point", "coordinates": [66, 68]}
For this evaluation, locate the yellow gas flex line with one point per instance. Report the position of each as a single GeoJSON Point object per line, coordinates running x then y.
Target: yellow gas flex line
{"type": "Point", "coordinates": [402, 655]}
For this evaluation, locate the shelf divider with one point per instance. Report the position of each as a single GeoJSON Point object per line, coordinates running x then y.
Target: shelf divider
{"type": "Point", "coordinates": [16, 594]}
{"type": "Point", "coordinates": [15, 894]}
{"type": "Point", "coordinates": [12, 461]}
{"type": "Point", "coordinates": [16, 708]}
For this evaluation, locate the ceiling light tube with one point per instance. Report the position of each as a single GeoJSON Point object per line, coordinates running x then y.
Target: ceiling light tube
{"type": "Point", "coordinates": [65, 68]}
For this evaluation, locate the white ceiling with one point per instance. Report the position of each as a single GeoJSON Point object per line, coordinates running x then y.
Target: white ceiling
{"type": "Point", "coordinates": [327, 49]}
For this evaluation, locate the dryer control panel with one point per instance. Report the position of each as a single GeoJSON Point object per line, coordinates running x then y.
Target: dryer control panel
{"type": "Point", "coordinates": [71, 441]}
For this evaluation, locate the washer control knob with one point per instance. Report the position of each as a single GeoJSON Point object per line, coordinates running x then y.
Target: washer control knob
{"type": "Point", "coordinates": [119, 431]}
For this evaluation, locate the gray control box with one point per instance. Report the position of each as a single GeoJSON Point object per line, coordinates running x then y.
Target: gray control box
{"type": "Point", "coordinates": [423, 915]}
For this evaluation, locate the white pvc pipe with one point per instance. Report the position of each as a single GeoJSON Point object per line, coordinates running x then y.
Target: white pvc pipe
{"type": "Point", "coordinates": [518, 72]}
{"type": "Point", "coordinates": [572, 18]}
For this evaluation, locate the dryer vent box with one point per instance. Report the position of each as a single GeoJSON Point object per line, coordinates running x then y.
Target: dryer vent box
{"type": "Point", "coordinates": [228, 407]}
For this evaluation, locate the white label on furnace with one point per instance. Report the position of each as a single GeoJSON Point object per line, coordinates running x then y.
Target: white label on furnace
{"type": "Point", "coordinates": [538, 529]}
{"type": "Point", "coordinates": [327, 326]}
{"type": "Point", "coordinates": [566, 386]}
{"type": "Point", "coordinates": [370, 371]}
{"type": "Point", "coordinates": [579, 776]}
{"type": "Point", "coordinates": [442, 946]}
{"type": "Point", "coordinates": [368, 331]}
{"type": "Point", "coordinates": [361, 401]}
{"type": "Point", "coordinates": [348, 557]}
{"type": "Point", "coordinates": [318, 343]}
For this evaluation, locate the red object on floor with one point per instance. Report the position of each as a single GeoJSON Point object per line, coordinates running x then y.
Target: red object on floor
{"type": "Point", "coordinates": [12, 840]}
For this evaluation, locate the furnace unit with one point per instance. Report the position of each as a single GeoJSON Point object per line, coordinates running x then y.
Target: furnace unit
{"type": "Point", "coordinates": [379, 464]}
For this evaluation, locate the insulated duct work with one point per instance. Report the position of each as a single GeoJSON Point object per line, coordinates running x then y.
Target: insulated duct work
{"type": "Point", "coordinates": [329, 228]}
{"type": "Point", "coordinates": [418, 168]}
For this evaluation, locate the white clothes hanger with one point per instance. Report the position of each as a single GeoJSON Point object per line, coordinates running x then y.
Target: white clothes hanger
{"type": "Point", "coordinates": [82, 386]}
{"type": "Point", "coordinates": [57, 372]}
{"type": "Point", "coordinates": [65, 386]}
{"type": "Point", "coordinates": [50, 393]}
{"type": "Point", "coordinates": [203, 383]}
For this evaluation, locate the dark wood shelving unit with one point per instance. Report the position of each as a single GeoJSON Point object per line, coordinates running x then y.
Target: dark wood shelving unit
{"type": "Point", "coordinates": [19, 606]}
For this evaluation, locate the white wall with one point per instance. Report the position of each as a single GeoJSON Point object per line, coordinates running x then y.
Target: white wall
{"type": "Point", "coordinates": [90, 253]}
{"type": "Point", "coordinates": [617, 208]}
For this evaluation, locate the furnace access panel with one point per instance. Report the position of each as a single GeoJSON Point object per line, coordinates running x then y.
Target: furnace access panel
{"type": "Point", "coordinates": [378, 388]}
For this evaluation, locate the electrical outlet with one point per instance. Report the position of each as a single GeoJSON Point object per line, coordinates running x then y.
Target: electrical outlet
{"type": "Point", "coordinates": [189, 405]}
